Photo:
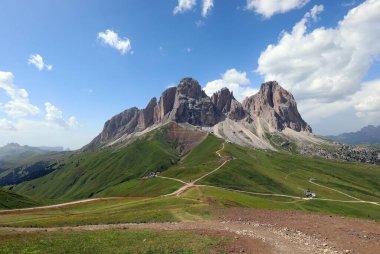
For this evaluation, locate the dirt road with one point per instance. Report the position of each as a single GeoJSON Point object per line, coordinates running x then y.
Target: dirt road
{"type": "Point", "coordinates": [62, 205]}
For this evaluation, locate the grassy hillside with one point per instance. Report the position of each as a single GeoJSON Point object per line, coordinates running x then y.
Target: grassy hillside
{"type": "Point", "coordinates": [11, 200]}
{"type": "Point", "coordinates": [338, 185]}
{"type": "Point", "coordinates": [200, 160]}
{"type": "Point", "coordinates": [107, 172]}
{"type": "Point", "coordinates": [270, 172]}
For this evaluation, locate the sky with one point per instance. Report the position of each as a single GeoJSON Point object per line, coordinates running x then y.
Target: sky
{"type": "Point", "coordinates": [68, 66]}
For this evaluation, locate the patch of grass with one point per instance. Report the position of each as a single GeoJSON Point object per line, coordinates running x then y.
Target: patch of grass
{"type": "Point", "coordinates": [133, 210]}
{"type": "Point", "coordinates": [227, 199]}
{"type": "Point", "coordinates": [109, 241]}
{"type": "Point", "coordinates": [11, 200]}
{"type": "Point", "coordinates": [142, 187]}
{"type": "Point", "coordinates": [201, 160]}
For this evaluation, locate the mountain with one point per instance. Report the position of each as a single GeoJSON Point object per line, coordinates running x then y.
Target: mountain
{"type": "Point", "coordinates": [137, 142]}
{"type": "Point", "coordinates": [178, 135]}
{"type": "Point", "coordinates": [267, 120]}
{"type": "Point", "coordinates": [367, 135]}
{"type": "Point", "coordinates": [272, 110]}
{"type": "Point", "coordinates": [14, 153]}
{"type": "Point", "coordinates": [21, 163]}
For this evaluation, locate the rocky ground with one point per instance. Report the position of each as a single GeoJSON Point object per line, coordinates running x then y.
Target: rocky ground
{"type": "Point", "coordinates": [267, 231]}
{"type": "Point", "coordinates": [344, 152]}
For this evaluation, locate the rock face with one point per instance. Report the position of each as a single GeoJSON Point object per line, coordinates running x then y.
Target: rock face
{"type": "Point", "coordinates": [188, 103]}
{"type": "Point", "coordinates": [184, 139]}
{"type": "Point", "coordinates": [125, 122]}
{"type": "Point", "coordinates": [146, 118]}
{"type": "Point", "coordinates": [165, 105]}
{"type": "Point", "coordinates": [193, 106]}
{"type": "Point", "coordinates": [277, 107]}
{"type": "Point", "coordinates": [226, 103]}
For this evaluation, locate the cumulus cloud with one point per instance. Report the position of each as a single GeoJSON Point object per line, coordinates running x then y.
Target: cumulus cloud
{"type": "Point", "coordinates": [207, 6]}
{"type": "Point", "coordinates": [112, 39]}
{"type": "Point", "coordinates": [184, 5]}
{"type": "Point", "coordinates": [267, 8]}
{"type": "Point", "coordinates": [324, 68]}
{"type": "Point", "coordinates": [235, 81]}
{"type": "Point", "coordinates": [38, 61]}
{"type": "Point", "coordinates": [19, 104]}
{"type": "Point", "coordinates": [6, 125]}
{"type": "Point", "coordinates": [367, 102]}
{"type": "Point", "coordinates": [55, 116]}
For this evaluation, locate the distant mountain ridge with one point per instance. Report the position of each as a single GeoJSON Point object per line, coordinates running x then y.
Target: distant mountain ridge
{"type": "Point", "coordinates": [14, 153]}
{"type": "Point", "coordinates": [367, 135]}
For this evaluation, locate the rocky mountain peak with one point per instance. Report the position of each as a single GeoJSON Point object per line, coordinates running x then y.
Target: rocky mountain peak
{"type": "Point", "coordinates": [193, 106]}
{"type": "Point", "coordinates": [190, 88]}
{"type": "Point", "coordinates": [188, 103]}
{"type": "Point", "coordinates": [226, 103]}
{"type": "Point", "coordinates": [277, 107]}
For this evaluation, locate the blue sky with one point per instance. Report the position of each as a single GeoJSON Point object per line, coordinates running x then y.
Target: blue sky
{"type": "Point", "coordinates": [89, 80]}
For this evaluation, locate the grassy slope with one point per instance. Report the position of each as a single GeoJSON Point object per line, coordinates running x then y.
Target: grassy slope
{"type": "Point", "coordinates": [132, 210]}
{"type": "Point", "coordinates": [109, 241]}
{"type": "Point", "coordinates": [199, 161]}
{"type": "Point", "coordinates": [108, 172]}
{"type": "Point", "coordinates": [252, 170]}
{"type": "Point", "coordinates": [11, 200]}
{"type": "Point", "coordinates": [270, 172]}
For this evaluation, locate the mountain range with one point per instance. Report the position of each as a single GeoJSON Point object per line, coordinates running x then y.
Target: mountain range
{"type": "Point", "coordinates": [14, 154]}
{"type": "Point", "coordinates": [272, 110]}
{"type": "Point", "coordinates": [268, 120]}
{"type": "Point", "coordinates": [137, 142]}
{"type": "Point", "coordinates": [367, 135]}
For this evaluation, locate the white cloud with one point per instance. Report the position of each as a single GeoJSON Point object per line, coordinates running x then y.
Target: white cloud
{"type": "Point", "coordinates": [235, 81]}
{"type": "Point", "coordinates": [7, 125]}
{"type": "Point", "coordinates": [367, 102]}
{"type": "Point", "coordinates": [55, 116]}
{"type": "Point", "coordinates": [19, 104]}
{"type": "Point", "coordinates": [313, 14]}
{"type": "Point", "coordinates": [38, 61]}
{"type": "Point", "coordinates": [184, 5]}
{"type": "Point", "coordinates": [207, 6]}
{"type": "Point", "coordinates": [268, 8]}
{"type": "Point", "coordinates": [42, 133]}
{"type": "Point", "coordinates": [325, 67]}
{"type": "Point", "coordinates": [112, 39]}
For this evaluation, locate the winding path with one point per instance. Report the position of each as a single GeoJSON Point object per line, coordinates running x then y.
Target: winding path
{"type": "Point", "coordinates": [188, 185]}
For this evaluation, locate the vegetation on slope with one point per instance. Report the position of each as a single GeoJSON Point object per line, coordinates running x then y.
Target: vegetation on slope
{"type": "Point", "coordinates": [109, 241]}
{"type": "Point", "coordinates": [250, 171]}
{"type": "Point", "coordinates": [201, 160]}
{"type": "Point", "coordinates": [11, 200]}
{"type": "Point", "coordinates": [270, 172]}
{"type": "Point", "coordinates": [106, 172]}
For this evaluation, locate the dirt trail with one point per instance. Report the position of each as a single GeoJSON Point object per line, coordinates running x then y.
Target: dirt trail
{"type": "Point", "coordinates": [268, 237]}
{"type": "Point", "coordinates": [192, 184]}
{"type": "Point", "coordinates": [268, 231]}
{"type": "Point", "coordinates": [62, 205]}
